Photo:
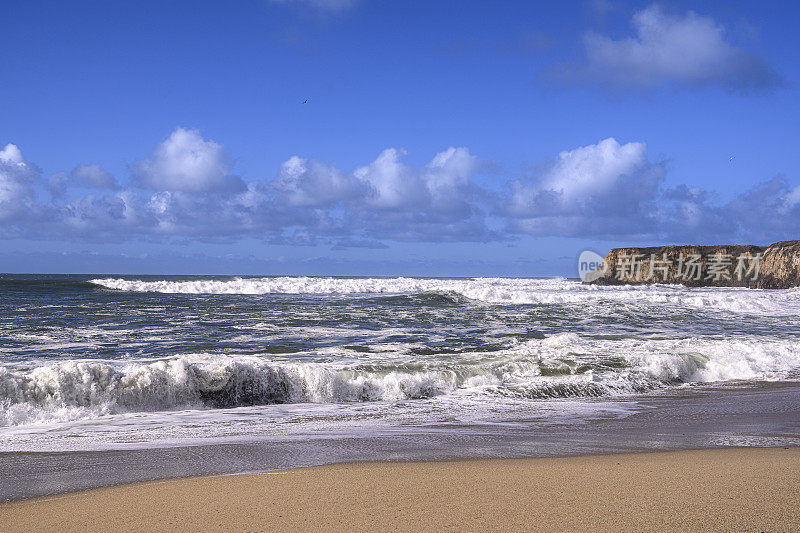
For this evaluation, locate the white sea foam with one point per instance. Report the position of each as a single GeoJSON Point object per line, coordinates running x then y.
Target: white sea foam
{"type": "Point", "coordinates": [504, 291]}
{"type": "Point", "coordinates": [365, 355]}
{"type": "Point", "coordinates": [563, 365]}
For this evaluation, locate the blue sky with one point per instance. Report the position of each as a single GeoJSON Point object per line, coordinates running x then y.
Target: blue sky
{"type": "Point", "coordinates": [439, 138]}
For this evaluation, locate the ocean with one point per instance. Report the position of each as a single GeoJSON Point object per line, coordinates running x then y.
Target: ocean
{"type": "Point", "coordinates": [477, 366]}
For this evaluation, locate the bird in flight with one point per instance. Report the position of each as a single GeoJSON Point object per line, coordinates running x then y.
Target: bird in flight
{"type": "Point", "coordinates": [731, 159]}
{"type": "Point", "coordinates": [304, 101]}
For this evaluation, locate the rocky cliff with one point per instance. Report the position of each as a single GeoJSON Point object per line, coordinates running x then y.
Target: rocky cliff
{"type": "Point", "coordinates": [780, 267]}
{"type": "Point", "coordinates": [774, 267]}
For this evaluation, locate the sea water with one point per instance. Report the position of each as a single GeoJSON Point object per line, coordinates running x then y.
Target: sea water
{"type": "Point", "coordinates": [105, 362]}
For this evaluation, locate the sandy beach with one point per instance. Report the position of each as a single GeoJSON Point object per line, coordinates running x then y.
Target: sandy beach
{"type": "Point", "coordinates": [381, 266]}
{"type": "Point", "coordinates": [730, 489]}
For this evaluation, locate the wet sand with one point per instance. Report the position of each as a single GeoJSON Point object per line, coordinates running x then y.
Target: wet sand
{"type": "Point", "coordinates": [754, 416]}
{"type": "Point", "coordinates": [731, 489]}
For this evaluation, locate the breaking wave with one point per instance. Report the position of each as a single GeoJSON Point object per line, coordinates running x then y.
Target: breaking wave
{"type": "Point", "coordinates": [563, 365]}
{"type": "Point", "coordinates": [501, 291]}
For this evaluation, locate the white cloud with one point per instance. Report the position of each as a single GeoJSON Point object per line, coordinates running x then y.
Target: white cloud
{"type": "Point", "coordinates": [447, 173]}
{"type": "Point", "coordinates": [312, 183]}
{"type": "Point", "coordinates": [16, 176]}
{"type": "Point", "coordinates": [439, 184]}
{"type": "Point", "coordinates": [612, 190]}
{"type": "Point", "coordinates": [792, 198]}
{"type": "Point", "coordinates": [384, 184]}
{"type": "Point", "coordinates": [388, 198]}
{"type": "Point", "coordinates": [690, 50]}
{"type": "Point", "coordinates": [589, 190]}
{"type": "Point", "coordinates": [607, 189]}
{"type": "Point", "coordinates": [595, 168]}
{"type": "Point", "coordinates": [393, 184]}
{"type": "Point", "coordinates": [186, 162]}
{"type": "Point", "coordinates": [588, 173]}
{"type": "Point", "coordinates": [93, 176]}
{"type": "Point", "coordinates": [92, 216]}
{"type": "Point", "coordinates": [183, 190]}
{"type": "Point", "coordinates": [435, 202]}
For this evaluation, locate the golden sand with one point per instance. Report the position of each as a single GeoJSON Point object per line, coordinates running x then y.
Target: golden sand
{"type": "Point", "coordinates": [731, 489]}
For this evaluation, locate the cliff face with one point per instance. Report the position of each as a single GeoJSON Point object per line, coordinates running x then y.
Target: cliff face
{"type": "Point", "coordinates": [774, 267]}
{"type": "Point", "coordinates": [780, 268]}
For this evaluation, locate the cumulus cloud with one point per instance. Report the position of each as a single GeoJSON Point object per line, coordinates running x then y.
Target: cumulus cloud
{"type": "Point", "coordinates": [447, 177]}
{"type": "Point", "coordinates": [16, 177]}
{"type": "Point", "coordinates": [439, 185]}
{"type": "Point", "coordinates": [387, 198]}
{"type": "Point", "coordinates": [689, 50]}
{"type": "Point", "coordinates": [437, 202]}
{"type": "Point", "coordinates": [100, 217]}
{"type": "Point", "coordinates": [185, 189]}
{"type": "Point", "coordinates": [615, 191]}
{"type": "Point", "coordinates": [84, 176]}
{"type": "Point", "coordinates": [392, 184]}
{"type": "Point", "coordinates": [93, 176]}
{"type": "Point", "coordinates": [607, 190]}
{"type": "Point", "coordinates": [186, 162]}
{"type": "Point", "coordinates": [600, 189]}
{"type": "Point", "coordinates": [312, 183]}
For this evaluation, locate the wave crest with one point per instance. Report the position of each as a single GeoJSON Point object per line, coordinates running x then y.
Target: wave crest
{"type": "Point", "coordinates": [503, 291]}
{"type": "Point", "coordinates": [559, 366]}
{"type": "Point", "coordinates": [96, 389]}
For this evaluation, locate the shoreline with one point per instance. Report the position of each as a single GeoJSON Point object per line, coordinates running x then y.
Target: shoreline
{"type": "Point", "coordinates": [716, 418]}
{"type": "Point", "coordinates": [721, 489]}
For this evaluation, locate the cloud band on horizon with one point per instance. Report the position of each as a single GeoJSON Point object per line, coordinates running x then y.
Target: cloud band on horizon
{"type": "Point", "coordinates": [185, 190]}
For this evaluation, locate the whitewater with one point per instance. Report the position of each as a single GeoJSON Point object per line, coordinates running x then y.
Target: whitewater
{"type": "Point", "coordinates": [90, 362]}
